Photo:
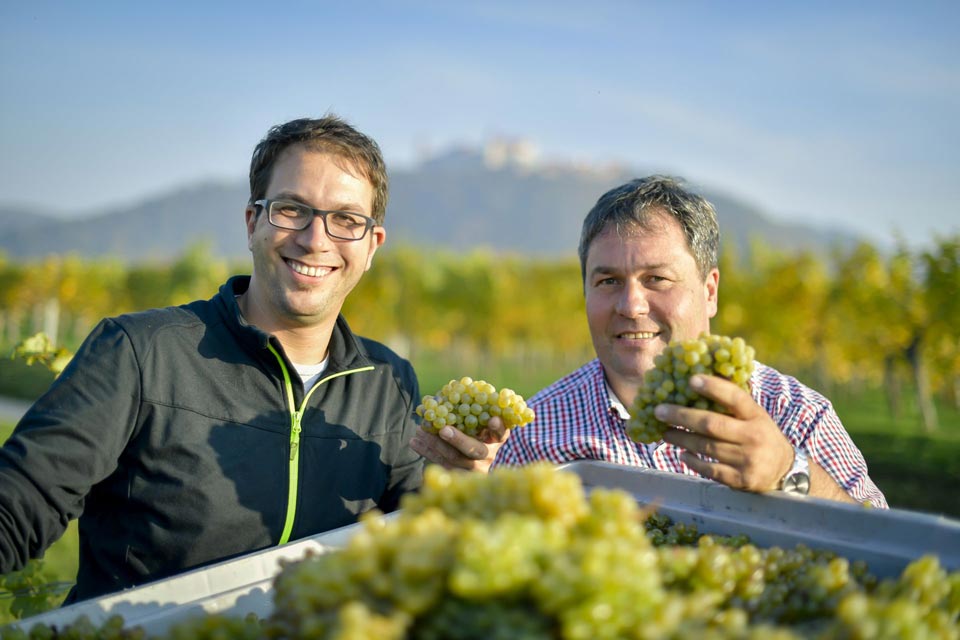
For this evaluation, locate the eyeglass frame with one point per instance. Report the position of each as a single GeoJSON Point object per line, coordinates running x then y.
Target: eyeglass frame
{"type": "Point", "coordinates": [266, 205]}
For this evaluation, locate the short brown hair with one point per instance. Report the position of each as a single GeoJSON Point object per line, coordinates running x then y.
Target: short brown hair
{"type": "Point", "coordinates": [328, 134]}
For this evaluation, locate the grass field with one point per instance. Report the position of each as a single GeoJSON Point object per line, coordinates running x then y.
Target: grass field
{"type": "Point", "coordinates": [914, 470]}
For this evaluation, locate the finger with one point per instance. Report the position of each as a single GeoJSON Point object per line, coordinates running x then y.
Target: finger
{"type": "Point", "coordinates": [737, 401]}
{"type": "Point", "coordinates": [469, 447]}
{"type": "Point", "coordinates": [716, 471]}
{"type": "Point", "coordinates": [707, 469]}
{"type": "Point", "coordinates": [495, 431]}
{"type": "Point", "coordinates": [421, 442]}
{"type": "Point", "coordinates": [431, 447]}
{"type": "Point", "coordinates": [716, 450]}
{"type": "Point", "coordinates": [734, 476]}
{"type": "Point", "coordinates": [709, 423]}
{"type": "Point", "coordinates": [428, 446]}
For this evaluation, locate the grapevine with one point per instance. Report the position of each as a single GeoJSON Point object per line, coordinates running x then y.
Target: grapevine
{"type": "Point", "coordinates": [467, 404]}
{"type": "Point", "coordinates": [669, 380]}
{"type": "Point", "coordinates": [39, 348]}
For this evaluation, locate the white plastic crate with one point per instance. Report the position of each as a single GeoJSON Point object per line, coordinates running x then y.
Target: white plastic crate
{"type": "Point", "coordinates": [887, 540]}
{"type": "Point", "coordinates": [238, 586]}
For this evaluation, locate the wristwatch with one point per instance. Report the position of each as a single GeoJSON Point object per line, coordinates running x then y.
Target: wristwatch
{"type": "Point", "coordinates": [797, 480]}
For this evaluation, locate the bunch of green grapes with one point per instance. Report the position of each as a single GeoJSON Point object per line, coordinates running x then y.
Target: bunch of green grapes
{"type": "Point", "coordinates": [468, 405]}
{"type": "Point", "coordinates": [493, 556]}
{"type": "Point", "coordinates": [528, 553]}
{"type": "Point", "coordinates": [539, 492]}
{"type": "Point", "coordinates": [669, 381]}
{"type": "Point", "coordinates": [217, 626]}
{"type": "Point", "coordinates": [82, 628]}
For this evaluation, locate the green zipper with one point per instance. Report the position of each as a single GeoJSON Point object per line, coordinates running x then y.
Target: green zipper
{"type": "Point", "coordinates": [296, 415]}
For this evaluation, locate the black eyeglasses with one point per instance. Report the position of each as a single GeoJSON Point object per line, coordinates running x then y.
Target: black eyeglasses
{"type": "Point", "coordinates": [340, 225]}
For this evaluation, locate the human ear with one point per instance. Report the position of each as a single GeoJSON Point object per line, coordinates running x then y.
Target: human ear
{"type": "Point", "coordinates": [250, 218]}
{"type": "Point", "coordinates": [378, 235]}
{"type": "Point", "coordinates": [712, 291]}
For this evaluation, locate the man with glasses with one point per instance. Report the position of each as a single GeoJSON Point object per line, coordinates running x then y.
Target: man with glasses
{"type": "Point", "coordinates": [186, 435]}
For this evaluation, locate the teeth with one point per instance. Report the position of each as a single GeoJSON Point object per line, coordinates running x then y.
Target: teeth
{"type": "Point", "coordinates": [643, 335]}
{"type": "Point", "coordinates": [307, 270]}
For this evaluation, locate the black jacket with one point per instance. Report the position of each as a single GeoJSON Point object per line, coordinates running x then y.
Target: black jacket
{"type": "Point", "coordinates": [172, 437]}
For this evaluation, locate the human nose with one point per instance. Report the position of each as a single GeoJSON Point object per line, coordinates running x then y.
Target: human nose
{"type": "Point", "coordinates": [315, 235]}
{"type": "Point", "coordinates": [632, 301]}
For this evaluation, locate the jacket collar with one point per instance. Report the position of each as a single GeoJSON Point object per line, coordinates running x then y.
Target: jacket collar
{"type": "Point", "coordinates": [346, 351]}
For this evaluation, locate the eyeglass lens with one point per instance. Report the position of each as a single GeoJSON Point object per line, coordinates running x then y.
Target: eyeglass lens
{"type": "Point", "coordinates": [339, 224]}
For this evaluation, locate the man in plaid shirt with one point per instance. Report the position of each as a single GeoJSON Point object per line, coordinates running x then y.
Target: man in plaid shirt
{"type": "Point", "coordinates": [648, 256]}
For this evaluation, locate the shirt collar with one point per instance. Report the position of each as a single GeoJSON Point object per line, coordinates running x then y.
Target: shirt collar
{"type": "Point", "coordinates": [615, 403]}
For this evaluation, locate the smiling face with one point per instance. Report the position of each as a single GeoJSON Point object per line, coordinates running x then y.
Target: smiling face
{"type": "Point", "coordinates": [301, 278]}
{"type": "Point", "coordinates": [643, 289]}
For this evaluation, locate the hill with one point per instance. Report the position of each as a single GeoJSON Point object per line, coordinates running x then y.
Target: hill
{"type": "Point", "coordinates": [18, 218]}
{"type": "Point", "coordinates": [458, 200]}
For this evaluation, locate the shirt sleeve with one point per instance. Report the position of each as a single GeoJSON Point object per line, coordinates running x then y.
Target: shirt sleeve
{"type": "Point", "coordinates": [809, 421]}
{"type": "Point", "coordinates": [508, 454]}
{"type": "Point", "coordinates": [68, 441]}
{"type": "Point", "coordinates": [543, 440]}
{"type": "Point", "coordinates": [829, 444]}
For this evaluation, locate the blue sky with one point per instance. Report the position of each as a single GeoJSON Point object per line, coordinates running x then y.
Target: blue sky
{"type": "Point", "coordinates": [836, 113]}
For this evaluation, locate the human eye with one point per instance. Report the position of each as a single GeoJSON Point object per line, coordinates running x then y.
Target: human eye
{"type": "Point", "coordinates": [657, 280]}
{"type": "Point", "coordinates": [606, 281]}
{"type": "Point", "coordinates": [289, 209]}
{"type": "Point", "coordinates": [346, 220]}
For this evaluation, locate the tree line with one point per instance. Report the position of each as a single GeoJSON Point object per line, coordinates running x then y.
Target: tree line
{"type": "Point", "coordinates": [859, 318]}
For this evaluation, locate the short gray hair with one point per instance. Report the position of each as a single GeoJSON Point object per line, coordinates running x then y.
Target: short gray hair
{"type": "Point", "coordinates": [630, 206]}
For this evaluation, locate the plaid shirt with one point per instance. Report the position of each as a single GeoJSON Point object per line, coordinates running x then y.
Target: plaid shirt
{"type": "Point", "coordinates": [576, 419]}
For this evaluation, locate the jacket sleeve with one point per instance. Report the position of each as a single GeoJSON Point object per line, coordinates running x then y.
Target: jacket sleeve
{"type": "Point", "coordinates": [406, 472]}
{"type": "Point", "coordinates": [68, 441]}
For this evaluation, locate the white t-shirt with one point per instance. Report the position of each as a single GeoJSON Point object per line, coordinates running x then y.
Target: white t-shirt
{"type": "Point", "coordinates": [310, 373]}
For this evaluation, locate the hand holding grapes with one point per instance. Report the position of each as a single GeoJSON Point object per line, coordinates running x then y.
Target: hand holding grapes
{"type": "Point", "coordinates": [453, 449]}
{"type": "Point", "coordinates": [465, 423]}
{"type": "Point", "coordinates": [749, 450]}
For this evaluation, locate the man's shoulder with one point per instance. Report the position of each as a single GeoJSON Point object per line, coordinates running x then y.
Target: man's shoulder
{"type": "Point", "coordinates": [567, 413]}
{"type": "Point", "coordinates": [380, 352]}
{"type": "Point", "coordinates": [157, 319]}
{"type": "Point", "coordinates": [221, 303]}
{"type": "Point", "coordinates": [777, 391]}
{"type": "Point", "coordinates": [174, 327]}
{"type": "Point", "coordinates": [569, 388]}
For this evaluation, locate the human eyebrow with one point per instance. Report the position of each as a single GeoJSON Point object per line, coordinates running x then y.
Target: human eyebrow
{"type": "Point", "coordinates": [602, 273]}
{"type": "Point", "coordinates": [603, 269]}
{"type": "Point", "coordinates": [290, 195]}
{"type": "Point", "coordinates": [661, 269]}
{"type": "Point", "coordinates": [347, 207]}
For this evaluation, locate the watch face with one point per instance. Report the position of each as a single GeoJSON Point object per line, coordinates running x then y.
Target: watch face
{"type": "Point", "coordinates": [797, 483]}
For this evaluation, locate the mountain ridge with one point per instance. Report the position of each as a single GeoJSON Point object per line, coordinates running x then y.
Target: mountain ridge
{"type": "Point", "coordinates": [459, 200]}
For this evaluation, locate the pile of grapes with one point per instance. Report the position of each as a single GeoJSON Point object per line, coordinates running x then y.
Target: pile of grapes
{"type": "Point", "coordinates": [669, 380]}
{"type": "Point", "coordinates": [526, 553]}
{"type": "Point", "coordinates": [467, 404]}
